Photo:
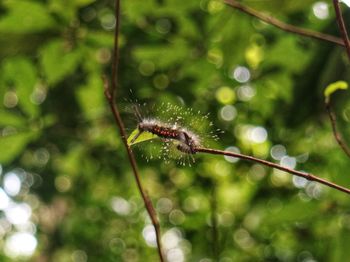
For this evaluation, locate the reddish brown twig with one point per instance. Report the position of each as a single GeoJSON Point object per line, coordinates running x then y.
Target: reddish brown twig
{"type": "Point", "coordinates": [110, 93]}
{"type": "Point", "coordinates": [338, 137]}
{"type": "Point", "coordinates": [307, 176]}
{"type": "Point", "coordinates": [341, 26]}
{"type": "Point", "coordinates": [286, 27]}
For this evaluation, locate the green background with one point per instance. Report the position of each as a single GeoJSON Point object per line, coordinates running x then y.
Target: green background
{"type": "Point", "coordinates": [58, 137]}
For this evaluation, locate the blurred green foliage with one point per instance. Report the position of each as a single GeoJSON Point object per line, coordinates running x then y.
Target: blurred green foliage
{"type": "Point", "coordinates": [263, 87]}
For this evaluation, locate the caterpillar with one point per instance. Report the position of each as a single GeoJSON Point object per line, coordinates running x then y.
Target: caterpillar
{"type": "Point", "coordinates": [187, 140]}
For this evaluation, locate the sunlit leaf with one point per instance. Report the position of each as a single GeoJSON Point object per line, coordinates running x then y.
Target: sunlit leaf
{"type": "Point", "coordinates": [8, 118]}
{"type": "Point", "coordinates": [163, 55]}
{"type": "Point", "coordinates": [90, 97]}
{"type": "Point", "coordinates": [331, 88]}
{"type": "Point", "coordinates": [67, 8]}
{"type": "Point", "coordinates": [58, 61]}
{"type": "Point", "coordinates": [144, 136]}
{"type": "Point", "coordinates": [12, 145]}
{"type": "Point", "coordinates": [22, 74]}
{"type": "Point", "coordinates": [25, 17]}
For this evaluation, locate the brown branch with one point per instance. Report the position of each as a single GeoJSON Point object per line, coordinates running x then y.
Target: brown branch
{"type": "Point", "coordinates": [338, 137]}
{"type": "Point", "coordinates": [341, 26]}
{"type": "Point", "coordinates": [286, 27]}
{"type": "Point", "coordinates": [307, 176]}
{"type": "Point", "coordinates": [110, 93]}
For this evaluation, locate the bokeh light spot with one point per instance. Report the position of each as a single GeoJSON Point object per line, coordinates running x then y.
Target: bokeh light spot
{"type": "Point", "coordinates": [20, 244]}
{"type": "Point", "coordinates": [258, 134]}
{"type": "Point", "coordinates": [42, 156]}
{"type": "Point", "coordinates": [176, 217]}
{"type": "Point", "coordinates": [241, 74]}
{"type": "Point", "coordinates": [107, 21]}
{"type": "Point", "coordinates": [79, 256]}
{"type": "Point", "coordinates": [103, 55]}
{"type": "Point", "coordinates": [215, 6]}
{"type": "Point", "coordinates": [299, 182]}
{"type": "Point", "coordinates": [149, 234]}
{"type": "Point", "coordinates": [63, 183]}
{"type": "Point", "coordinates": [12, 183]}
{"type": "Point", "coordinates": [225, 95]}
{"type": "Point", "coordinates": [254, 55]}
{"type": "Point", "coordinates": [147, 68]}
{"type": "Point", "coordinates": [320, 10]}
{"type": "Point", "coordinates": [289, 162]}
{"type": "Point", "coordinates": [164, 205]}
{"type": "Point", "coordinates": [278, 151]}
{"type": "Point", "coordinates": [243, 239]}
{"type": "Point", "coordinates": [232, 149]}
{"type": "Point", "coordinates": [120, 206]}
{"type": "Point", "coordinates": [171, 238]}
{"type": "Point", "coordinates": [4, 200]}
{"type": "Point", "coordinates": [18, 213]}
{"type": "Point", "coordinates": [175, 255]}
{"type": "Point", "coordinates": [245, 92]}
{"type": "Point", "coordinates": [39, 94]}
{"type": "Point", "coordinates": [10, 99]}
{"type": "Point", "coordinates": [161, 81]}
{"type": "Point", "coordinates": [228, 113]}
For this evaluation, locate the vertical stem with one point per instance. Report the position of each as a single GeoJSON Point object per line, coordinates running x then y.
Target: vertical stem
{"type": "Point", "coordinates": [338, 137]}
{"type": "Point", "coordinates": [110, 93]}
{"type": "Point", "coordinates": [342, 26]}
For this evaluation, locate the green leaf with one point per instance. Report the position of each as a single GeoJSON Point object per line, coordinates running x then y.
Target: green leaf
{"type": "Point", "coordinates": [11, 119]}
{"type": "Point", "coordinates": [25, 17]}
{"type": "Point", "coordinates": [163, 55]}
{"type": "Point", "coordinates": [294, 62]}
{"type": "Point", "coordinates": [22, 74]}
{"type": "Point", "coordinates": [90, 97]}
{"type": "Point", "coordinates": [100, 39]}
{"type": "Point", "coordinates": [67, 8]}
{"type": "Point", "coordinates": [12, 145]}
{"type": "Point", "coordinates": [331, 88]}
{"type": "Point", "coordinates": [144, 136]}
{"type": "Point", "coordinates": [58, 61]}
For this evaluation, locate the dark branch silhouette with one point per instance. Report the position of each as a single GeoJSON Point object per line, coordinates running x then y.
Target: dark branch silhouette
{"type": "Point", "coordinates": [286, 27]}
{"type": "Point", "coordinates": [110, 93]}
{"type": "Point", "coordinates": [307, 176]}
{"type": "Point", "coordinates": [341, 26]}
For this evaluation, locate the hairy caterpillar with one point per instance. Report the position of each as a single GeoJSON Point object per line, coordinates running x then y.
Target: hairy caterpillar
{"type": "Point", "coordinates": [188, 141]}
{"type": "Point", "coordinates": [173, 132]}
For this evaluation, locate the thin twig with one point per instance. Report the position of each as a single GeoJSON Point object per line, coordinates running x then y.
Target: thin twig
{"type": "Point", "coordinates": [148, 203]}
{"type": "Point", "coordinates": [307, 176]}
{"type": "Point", "coordinates": [110, 93]}
{"type": "Point", "coordinates": [338, 137]}
{"type": "Point", "coordinates": [341, 26]}
{"type": "Point", "coordinates": [286, 27]}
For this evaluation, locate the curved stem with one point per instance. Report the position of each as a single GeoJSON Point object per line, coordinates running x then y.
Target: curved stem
{"type": "Point", "coordinates": [341, 26]}
{"type": "Point", "coordinates": [286, 27]}
{"type": "Point", "coordinates": [110, 93]}
{"type": "Point", "coordinates": [307, 176]}
{"type": "Point", "coordinates": [338, 137]}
